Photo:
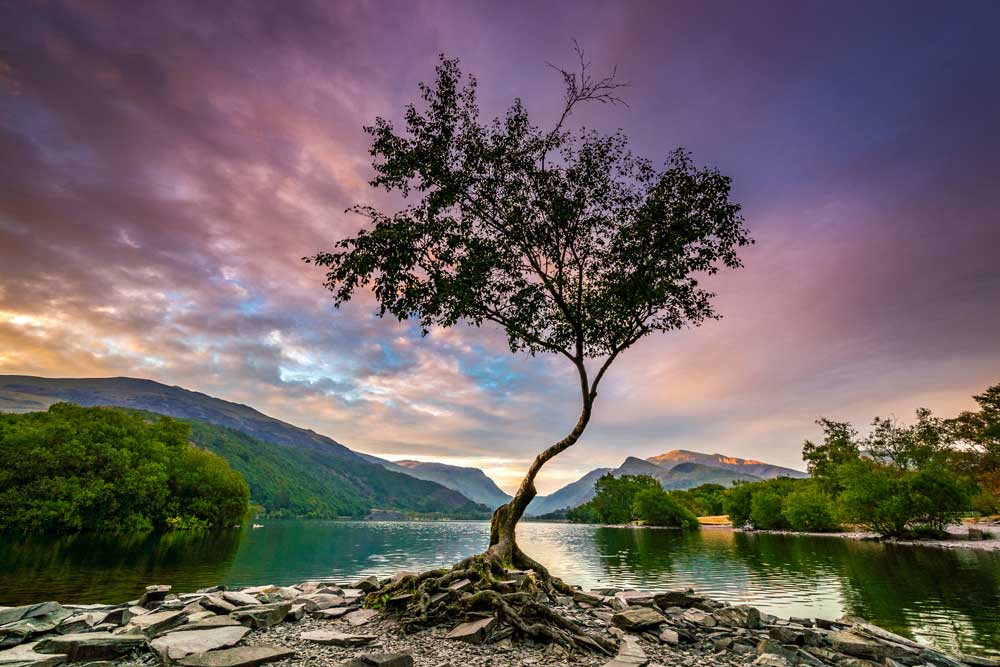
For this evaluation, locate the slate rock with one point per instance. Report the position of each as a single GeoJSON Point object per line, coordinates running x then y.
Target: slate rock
{"type": "Point", "coordinates": [771, 660]}
{"type": "Point", "coordinates": [636, 598]}
{"type": "Point", "coordinates": [11, 614]}
{"type": "Point", "coordinates": [155, 623]}
{"type": "Point", "coordinates": [91, 645]}
{"type": "Point", "coordinates": [154, 594]}
{"type": "Point", "coordinates": [334, 638]}
{"type": "Point", "coordinates": [860, 647]}
{"type": "Point", "coordinates": [771, 647]}
{"type": "Point", "coordinates": [740, 616]}
{"type": "Point", "coordinates": [25, 656]}
{"type": "Point", "coordinates": [676, 599]}
{"type": "Point", "coordinates": [240, 656]}
{"type": "Point", "coordinates": [473, 632]}
{"type": "Point", "coordinates": [316, 601]}
{"type": "Point", "coordinates": [176, 645]}
{"type": "Point", "coordinates": [637, 618]}
{"type": "Point", "coordinates": [240, 599]}
{"type": "Point", "coordinates": [33, 622]}
{"type": "Point", "coordinates": [360, 617]}
{"type": "Point", "coordinates": [210, 623]}
{"type": "Point", "coordinates": [332, 613]}
{"type": "Point", "coordinates": [588, 598]}
{"type": "Point", "coordinates": [631, 653]}
{"type": "Point", "coordinates": [368, 584]}
{"type": "Point", "coordinates": [218, 605]}
{"type": "Point", "coordinates": [382, 660]}
{"type": "Point", "coordinates": [262, 616]}
{"type": "Point", "coordinates": [670, 637]}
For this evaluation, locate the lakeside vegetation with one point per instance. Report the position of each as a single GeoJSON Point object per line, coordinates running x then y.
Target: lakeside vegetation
{"type": "Point", "coordinates": [105, 469]}
{"type": "Point", "coordinates": [899, 481]}
{"type": "Point", "coordinates": [633, 498]}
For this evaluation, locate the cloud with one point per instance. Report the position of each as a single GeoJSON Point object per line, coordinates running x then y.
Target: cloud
{"type": "Point", "coordinates": [164, 167]}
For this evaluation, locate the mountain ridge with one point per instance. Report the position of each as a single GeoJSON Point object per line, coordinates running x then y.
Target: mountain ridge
{"type": "Point", "coordinates": [367, 483]}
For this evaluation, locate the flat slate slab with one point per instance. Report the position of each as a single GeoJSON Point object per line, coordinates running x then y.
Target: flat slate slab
{"type": "Point", "coordinates": [361, 616]}
{"type": "Point", "coordinates": [240, 599]}
{"type": "Point", "coordinates": [263, 615]}
{"type": "Point", "coordinates": [210, 623]}
{"type": "Point", "coordinates": [316, 601]}
{"type": "Point", "coordinates": [155, 623]}
{"type": "Point", "coordinates": [333, 613]}
{"type": "Point", "coordinates": [637, 618]}
{"type": "Point", "coordinates": [241, 656]}
{"type": "Point", "coordinates": [25, 656]}
{"type": "Point", "coordinates": [381, 660]}
{"type": "Point", "coordinates": [473, 632]}
{"type": "Point", "coordinates": [334, 638]}
{"type": "Point", "coordinates": [91, 645]}
{"type": "Point", "coordinates": [177, 645]}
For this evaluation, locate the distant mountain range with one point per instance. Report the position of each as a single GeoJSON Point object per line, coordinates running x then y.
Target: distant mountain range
{"type": "Point", "coordinates": [679, 469]}
{"type": "Point", "coordinates": [302, 472]}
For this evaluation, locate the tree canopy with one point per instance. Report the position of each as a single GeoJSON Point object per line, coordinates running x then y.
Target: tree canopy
{"type": "Point", "coordinates": [73, 468]}
{"type": "Point", "coordinates": [565, 239]}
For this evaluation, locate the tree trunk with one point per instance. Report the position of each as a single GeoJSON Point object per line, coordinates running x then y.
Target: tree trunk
{"type": "Point", "coordinates": [503, 547]}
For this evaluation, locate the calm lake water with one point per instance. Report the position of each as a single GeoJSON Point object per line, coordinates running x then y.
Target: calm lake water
{"type": "Point", "coordinates": [950, 598]}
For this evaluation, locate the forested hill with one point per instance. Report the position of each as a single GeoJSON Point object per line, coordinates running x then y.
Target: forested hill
{"type": "Point", "coordinates": [289, 469]}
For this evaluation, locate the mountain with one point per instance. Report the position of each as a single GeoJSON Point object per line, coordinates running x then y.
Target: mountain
{"type": "Point", "coordinates": [470, 482]}
{"type": "Point", "coordinates": [749, 466]}
{"type": "Point", "coordinates": [682, 474]}
{"type": "Point", "coordinates": [572, 495]}
{"type": "Point", "coordinates": [288, 468]}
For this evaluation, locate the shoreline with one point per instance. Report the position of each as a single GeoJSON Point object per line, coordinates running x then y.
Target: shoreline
{"type": "Point", "coordinates": [324, 624]}
{"type": "Point", "coordinates": [990, 544]}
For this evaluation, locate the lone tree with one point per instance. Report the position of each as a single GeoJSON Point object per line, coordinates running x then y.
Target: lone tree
{"type": "Point", "coordinates": [566, 240]}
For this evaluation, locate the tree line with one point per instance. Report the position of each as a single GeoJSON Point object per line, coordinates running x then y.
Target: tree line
{"type": "Point", "coordinates": [899, 481]}
{"type": "Point", "coordinates": [104, 469]}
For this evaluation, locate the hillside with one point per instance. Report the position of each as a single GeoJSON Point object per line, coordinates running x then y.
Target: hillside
{"type": "Point", "coordinates": [671, 459]}
{"type": "Point", "coordinates": [288, 468]}
{"type": "Point", "coordinates": [470, 482]}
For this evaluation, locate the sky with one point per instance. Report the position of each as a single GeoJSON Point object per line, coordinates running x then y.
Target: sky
{"type": "Point", "coordinates": [164, 166]}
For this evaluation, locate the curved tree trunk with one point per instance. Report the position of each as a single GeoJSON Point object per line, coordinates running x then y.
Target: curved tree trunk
{"type": "Point", "coordinates": [503, 547]}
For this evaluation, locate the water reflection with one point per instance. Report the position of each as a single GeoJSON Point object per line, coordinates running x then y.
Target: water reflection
{"type": "Point", "coordinates": [110, 568]}
{"type": "Point", "coordinates": [947, 597]}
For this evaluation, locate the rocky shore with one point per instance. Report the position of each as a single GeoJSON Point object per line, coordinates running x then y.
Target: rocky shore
{"type": "Point", "coordinates": [324, 624]}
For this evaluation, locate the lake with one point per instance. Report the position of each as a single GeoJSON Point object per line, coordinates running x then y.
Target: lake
{"type": "Point", "coordinates": [950, 598]}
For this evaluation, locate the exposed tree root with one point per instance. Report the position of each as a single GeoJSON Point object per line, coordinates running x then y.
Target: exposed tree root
{"type": "Point", "coordinates": [428, 599]}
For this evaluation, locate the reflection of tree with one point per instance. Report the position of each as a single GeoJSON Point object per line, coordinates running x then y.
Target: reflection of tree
{"type": "Point", "coordinates": [903, 587]}
{"type": "Point", "coordinates": [105, 567]}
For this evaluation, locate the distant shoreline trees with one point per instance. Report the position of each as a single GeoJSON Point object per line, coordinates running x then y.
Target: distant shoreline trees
{"type": "Point", "coordinates": [899, 481]}
{"type": "Point", "coordinates": [75, 469]}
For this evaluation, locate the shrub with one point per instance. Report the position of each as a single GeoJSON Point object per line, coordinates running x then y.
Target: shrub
{"type": "Point", "coordinates": [765, 510]}
{"type": "Point", "coordinates": [737, 504]}
{"type": "Point", "coordinates": [809, 509]}
{"type": "Point", "coordinates": [73, 468]}
{"type": "Point", "coordinates": [985, 503]}
{"type": "Point", "coordinates": [657, 508]}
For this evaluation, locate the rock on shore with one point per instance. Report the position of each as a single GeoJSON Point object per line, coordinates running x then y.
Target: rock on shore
{"type": "Point", "coordinates": [322, 624]}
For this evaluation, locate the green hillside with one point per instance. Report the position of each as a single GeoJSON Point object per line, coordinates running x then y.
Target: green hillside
{"type": "Point", "coordinates": [290, 470]}
{"type": "Point", "coordinates": [293, 482]}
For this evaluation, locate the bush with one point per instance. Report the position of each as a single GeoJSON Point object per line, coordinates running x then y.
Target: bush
{"type": "Point", "coordinates": [765, 510]}
{"type": "Point", "coordinates": [809, 509]}
{"type": "Point", "coordinates": [73, 468]}
{"type": "Point", "coordinates": [737, 504]}
{"type": "Point", "coordinates": [985, 503]}
{"type": "Point", "coordinates": [656, 508]}
{"type": "Point", "coordinates": [895, 502]}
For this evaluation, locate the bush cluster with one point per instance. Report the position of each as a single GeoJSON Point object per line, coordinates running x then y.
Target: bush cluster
{"type": "Point", "coordinates": [628, 498]}
{"type": "Point", "coordinates": [72, 469]}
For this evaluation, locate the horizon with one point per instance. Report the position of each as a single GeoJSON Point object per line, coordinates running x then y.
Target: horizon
{"type": "Point", "coordinates": [166, 169]}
